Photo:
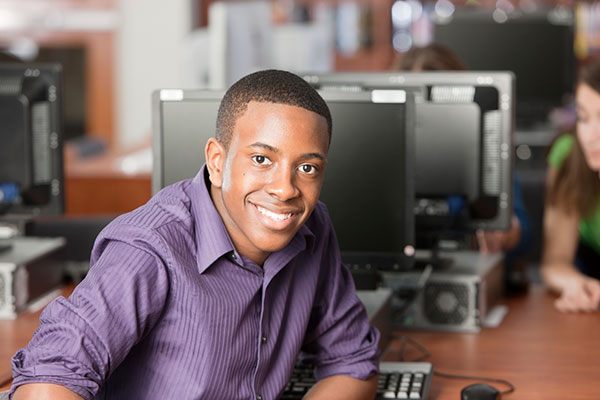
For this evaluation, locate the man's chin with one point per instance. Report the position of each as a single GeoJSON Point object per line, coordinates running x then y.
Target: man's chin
{"type": "Point", "coordinates": [272, 246]}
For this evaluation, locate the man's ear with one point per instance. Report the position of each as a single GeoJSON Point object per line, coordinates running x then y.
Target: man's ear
{"type": "Point", "coordinates": [215, 154]}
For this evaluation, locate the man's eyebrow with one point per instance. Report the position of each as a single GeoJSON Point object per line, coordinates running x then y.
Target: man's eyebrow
{"type": "Point", "coordinates": [265, 146]}
{"type": "Point", "coordinates": [313, 155]}
{"type": "Point", "coordinates": [276, 150]}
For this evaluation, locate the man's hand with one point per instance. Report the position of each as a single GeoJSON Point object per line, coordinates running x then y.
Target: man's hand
{"type": "Point", "coordinates": [579, 293]}
{"type": "Point", "coordinates": [340, 387]}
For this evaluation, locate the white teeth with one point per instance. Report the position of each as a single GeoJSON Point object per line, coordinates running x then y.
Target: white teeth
{"type": "Point", "coordinates": [272, 215]}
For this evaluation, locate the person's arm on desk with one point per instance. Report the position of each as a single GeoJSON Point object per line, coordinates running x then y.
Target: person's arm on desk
{"type": "Point", "coordinates": [44, 391]}
{"type": "Point", "coordinates": [343, 345]}
{"type": "Point", "coordinates": [76, 346]}
{"type": "Point", "coordinates": [343, 388]}
{"type": "Point", "coordinates": [577, 292]}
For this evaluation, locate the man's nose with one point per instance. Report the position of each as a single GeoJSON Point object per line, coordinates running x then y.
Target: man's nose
{"type": "Point", "coordinates": [282, 184]}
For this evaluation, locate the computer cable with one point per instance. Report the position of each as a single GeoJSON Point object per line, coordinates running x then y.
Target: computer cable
{"type": "Point", "coordinates": [511, 387]}
{"type": "Point", "coordinates": [409, 295]}
{"type": "Point", "coordinates": [405, 339]}
{"type": "Point", "coordinates": [426, 354]}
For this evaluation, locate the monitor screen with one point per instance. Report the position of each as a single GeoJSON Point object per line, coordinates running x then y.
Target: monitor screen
{"type": "Point", "coordinates": [535, 46]}
{"type": "Point", "coordinates": [368, 186]}
{"type": "Point", "coordinates": [368, 180]}
{"type": "Point", "coordinates": [463, 142]}
{"type": "Point", "coordinates": [31, 170]}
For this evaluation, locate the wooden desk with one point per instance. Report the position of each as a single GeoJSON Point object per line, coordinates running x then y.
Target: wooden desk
{"type": "Point", "coordinates": [544, 354]}
{"type": "Point", "coordinates": [100, 186]}
{"type": "Point", "coordinates": [15, 334]}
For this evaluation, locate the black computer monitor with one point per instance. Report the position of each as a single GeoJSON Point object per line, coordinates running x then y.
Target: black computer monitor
{"type": "Point", "coordinates": [368, 183]}
{"type": "Point", "coordinates": [536, 46]}
{"type": "Point", "coordinates": [72, 59]}
{"type": "Point", "coordinates": [31, 167]}
{"type": "Point", "coordinates": [463, 144]}
{"type": "Point", "coordinates": [182, 123]}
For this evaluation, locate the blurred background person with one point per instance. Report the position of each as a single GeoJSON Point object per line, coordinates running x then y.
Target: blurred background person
{"type": "Point", "coordinates": [571, 253]}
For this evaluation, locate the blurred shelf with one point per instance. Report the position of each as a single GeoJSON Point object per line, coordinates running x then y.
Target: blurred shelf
{"type": "Point", "coordinates": [114, 182]}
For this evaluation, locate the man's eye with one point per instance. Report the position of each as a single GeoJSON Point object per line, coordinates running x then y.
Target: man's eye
{"type": "Point", "coordinates": [308, 169]}
{"type": "Point", "coordinates": [261, 160]}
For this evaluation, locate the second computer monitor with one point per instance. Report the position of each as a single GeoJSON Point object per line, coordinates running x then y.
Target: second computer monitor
{"type": "Point", "coordinates": [463, 142]}
{"type": "Point", "coordinates": [369, 184]}
{"type": "Point", "coordinates": [523, 43]}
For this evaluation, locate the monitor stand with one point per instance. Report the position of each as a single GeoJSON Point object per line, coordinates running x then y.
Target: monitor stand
{"type": "Point", "coordinates": [433, 246]}
{"type": "Point", "coordinates": [424, 257]}
{"type": "Point", "coordinates": [5, 245]}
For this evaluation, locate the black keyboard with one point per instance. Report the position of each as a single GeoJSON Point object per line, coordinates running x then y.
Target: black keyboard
{"type": "Point", "coordinates": [397, 380]}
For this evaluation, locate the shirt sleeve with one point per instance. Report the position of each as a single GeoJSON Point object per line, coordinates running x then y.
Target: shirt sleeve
{"type": "Point", "coordinates": [82, 339]}
{"type": "Point", "coordinates": [339, 338]}
{"type": "Point", "coordinates": [560, 150]}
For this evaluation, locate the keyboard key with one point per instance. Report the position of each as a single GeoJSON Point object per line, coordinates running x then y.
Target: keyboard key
{"type": "Point", "coordinates": [396, 381]}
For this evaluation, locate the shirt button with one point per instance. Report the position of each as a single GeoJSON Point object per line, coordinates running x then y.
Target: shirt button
{"type": "Point", "coordinates": [233, 256]}
{"type": "Point", "coordinates": [264, 339]}
{"type": "Point", "coordinates": [258, 397]}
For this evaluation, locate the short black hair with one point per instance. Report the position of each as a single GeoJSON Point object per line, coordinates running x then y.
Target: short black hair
{"type": "Point", "coordinates": [268, 86]}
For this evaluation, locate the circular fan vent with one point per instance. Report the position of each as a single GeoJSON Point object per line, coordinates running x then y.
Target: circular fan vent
{"type": "Point", "coordinates": [447, 303]}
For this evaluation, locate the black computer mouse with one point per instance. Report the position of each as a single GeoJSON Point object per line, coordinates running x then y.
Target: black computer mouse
{"type": "Point", "coordinates": [480, 391]}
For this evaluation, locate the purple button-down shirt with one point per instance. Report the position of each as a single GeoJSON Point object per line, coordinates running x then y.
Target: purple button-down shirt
{"type": "Point", "coordinates": [170, 310]}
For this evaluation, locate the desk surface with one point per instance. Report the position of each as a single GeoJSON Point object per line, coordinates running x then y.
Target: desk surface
{"type": "Point", "coordinates": [15, 334]}
{"type": "Point", "coordinates": [545, 354]}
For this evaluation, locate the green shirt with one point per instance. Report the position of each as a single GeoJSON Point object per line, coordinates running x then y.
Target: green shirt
{"type": "Point", "coordinates": [589, 228]}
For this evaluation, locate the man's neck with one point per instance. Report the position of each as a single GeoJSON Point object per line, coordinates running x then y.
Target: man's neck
{"type": "Point", "coordinates": [254, 255]}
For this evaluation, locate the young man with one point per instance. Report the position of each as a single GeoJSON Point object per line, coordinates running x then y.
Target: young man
{"type": "Point", "coordinates": [213, 288]}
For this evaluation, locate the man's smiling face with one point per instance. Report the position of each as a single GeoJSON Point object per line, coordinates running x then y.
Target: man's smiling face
{"type": "Point", "coordinates": [267, 183]}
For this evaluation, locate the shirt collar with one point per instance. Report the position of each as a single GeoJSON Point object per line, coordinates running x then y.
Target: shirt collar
{"type": "Point", "coordinates": [212, 239]}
